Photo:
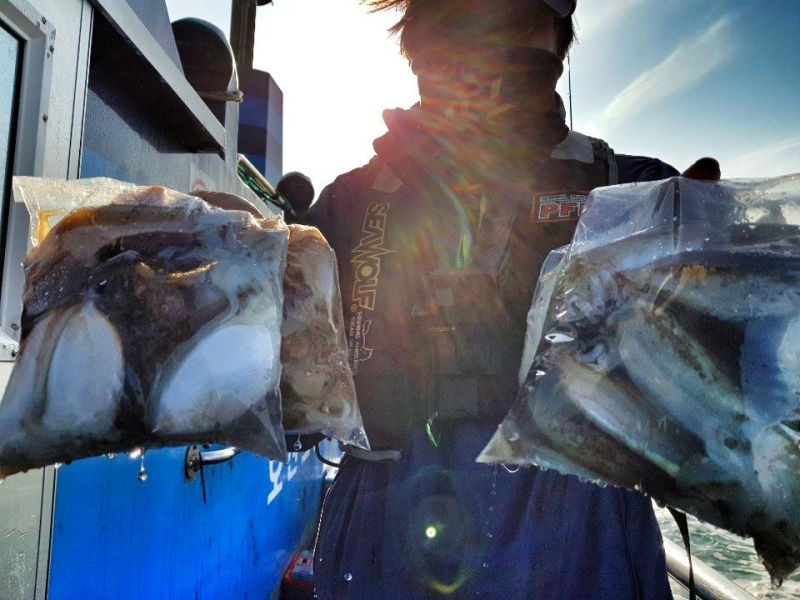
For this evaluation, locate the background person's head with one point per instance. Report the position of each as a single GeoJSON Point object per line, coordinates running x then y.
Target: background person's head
{"type": "Point", "coordinates": [446, 29]}
{"type": "Point", "coordinates": [299, 191]}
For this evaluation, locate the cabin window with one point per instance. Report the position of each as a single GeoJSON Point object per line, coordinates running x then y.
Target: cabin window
{"type": "Point", "coordinates": [10, 68]}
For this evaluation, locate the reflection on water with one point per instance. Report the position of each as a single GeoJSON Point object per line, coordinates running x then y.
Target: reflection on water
{"type": "Point", "coordinates": [731, 555]}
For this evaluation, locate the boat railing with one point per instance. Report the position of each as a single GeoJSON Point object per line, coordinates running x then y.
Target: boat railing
{"type": "Point", "coordinates": [709, 583]}
{"type": "Point", "coordinates": [197, 458]}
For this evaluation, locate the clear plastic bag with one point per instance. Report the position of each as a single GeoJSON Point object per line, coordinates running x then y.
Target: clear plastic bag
{"type": "Point", "coordinates": [50, 200]}
{"type": "Point", "coordinates": [669, 359]}
{"type": "Point", "coordinates": [317, 385]}
{"type": "Point", "coordinates": [551, 270]}
{"type": "Point", "coordinates": [150, 319]}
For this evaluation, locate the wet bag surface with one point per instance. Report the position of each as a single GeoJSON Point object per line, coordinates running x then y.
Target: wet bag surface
{"type": "Point", "coordinates": [317, 385]}
{"type": "Point", "coordinates": [663, 355]}
{"type": "Point", "coordinates": [150, 319]}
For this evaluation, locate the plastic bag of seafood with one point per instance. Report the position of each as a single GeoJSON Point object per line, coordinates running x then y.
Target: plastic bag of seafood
{"type": "Point", "coordinates": [551, 269]}
{"type": "Point", "coordinates": [316, 384]}
{"type": "Point", "coordinates": [669, 356]}
{"type": "Point", "coordinates": [149, 319]}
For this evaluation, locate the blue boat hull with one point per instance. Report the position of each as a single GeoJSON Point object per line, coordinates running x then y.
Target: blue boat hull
{"type": "Point", "coordinates": [118, 538]}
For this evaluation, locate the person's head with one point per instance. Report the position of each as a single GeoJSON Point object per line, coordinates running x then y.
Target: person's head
{"type": "Point", "coordinates": [443, 28]}
{"type": "Point", "coordinates": [299, 191]}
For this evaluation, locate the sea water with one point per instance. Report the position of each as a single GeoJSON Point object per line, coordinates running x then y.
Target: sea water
{"type": "Point", "coordinates": [729, 554]}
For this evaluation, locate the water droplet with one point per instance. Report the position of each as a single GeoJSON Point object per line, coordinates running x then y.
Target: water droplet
{"type": "Point", "coordinates": [142, 473]}
{"type": "Point", "coordinates": [493, 493]}
{"type": "Point", "coordinates": [638, 487]}
{"type": "Point", "coordinates": [491, 509]}
{"type": "Point", "coordinates": [489, 535]}
{"type": "Point", "coordinates": [348, 577]}
{"type": "Point", "coordinates": [58, 466]}
{"type": "Point", "coordinates": [111, 456]}
{"type": "Point", "coordinates": [135, 453]}
{"type": "Point", "coordinates": [776, 582]}
{"type": "Point", "coordinates": [298, 445]}
{"type": "Point", "coordinates": [486, 565]}
{"type": "Point", "coordinates": [513, 436]}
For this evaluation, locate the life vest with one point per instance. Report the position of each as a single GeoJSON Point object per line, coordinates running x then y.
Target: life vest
{"type": "Point", "coordinates": [425, 339]}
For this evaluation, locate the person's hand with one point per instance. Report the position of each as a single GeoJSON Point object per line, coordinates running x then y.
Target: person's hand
{"type": "Point", "coordinates": [705, 169]}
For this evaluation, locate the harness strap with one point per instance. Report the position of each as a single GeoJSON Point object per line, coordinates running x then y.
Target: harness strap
{"type": "Point", "coordinates": [683, 526]}
{"type": "Point", "coordinates": [371, 455]}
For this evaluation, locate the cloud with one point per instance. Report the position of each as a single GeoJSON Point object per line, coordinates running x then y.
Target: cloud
{"type": "Point", "coordinates": [780, 157]}
{"type": "Point", "coordinates": [601, 15]}
{"type": "Point", "coordinates": [691, 62]}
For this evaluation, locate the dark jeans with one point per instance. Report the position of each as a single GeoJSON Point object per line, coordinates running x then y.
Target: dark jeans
{"type": "Point", "coordinates": [437, 525]}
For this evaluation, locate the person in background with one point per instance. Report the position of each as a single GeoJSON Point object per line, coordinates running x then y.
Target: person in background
{"type": "Point", "coordinates": [299, 191]}
{"type": "Point", "coordinates": [440, 240]}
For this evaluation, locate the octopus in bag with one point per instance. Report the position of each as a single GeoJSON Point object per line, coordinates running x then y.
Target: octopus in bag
{"type": "Point", "coordinates": [316, 384]}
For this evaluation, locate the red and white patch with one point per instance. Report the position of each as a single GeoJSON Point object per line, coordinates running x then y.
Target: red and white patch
{"type": "Point", "coordinates": [563, 206]}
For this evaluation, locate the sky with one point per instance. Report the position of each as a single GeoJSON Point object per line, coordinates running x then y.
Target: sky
{"type": "Point", "coordinates": [673, 79]}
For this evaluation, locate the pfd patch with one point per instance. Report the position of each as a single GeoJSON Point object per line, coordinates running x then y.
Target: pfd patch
{"type": "Point", "coordinates": [564, 206]}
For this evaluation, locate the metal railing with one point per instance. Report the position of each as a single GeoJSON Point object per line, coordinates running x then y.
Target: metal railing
{"type": "Point", "coordinates": [196, 459]}
{"type": "Point", "coordinates": [709, 583]}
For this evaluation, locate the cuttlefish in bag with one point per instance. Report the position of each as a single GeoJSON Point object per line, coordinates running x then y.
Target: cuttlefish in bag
{"type": "Point", "coordinates": [317, 386]}
{"type": "Point", "coordinates": [149, 319]}
{"type": "Point", "coordinates": [667, 356]}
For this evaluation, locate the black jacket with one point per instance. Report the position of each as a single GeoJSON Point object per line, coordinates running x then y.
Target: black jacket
{"type": "Point", "coordinates": [391, 227]}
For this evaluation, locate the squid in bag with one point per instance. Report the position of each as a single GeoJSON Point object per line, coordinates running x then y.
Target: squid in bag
{"type": "Point", "coordinates": [149, 319]}
{"type": "Point", "coordinates": [317, 384]}
{"type": "Point", "coordinates": [668, 356]}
